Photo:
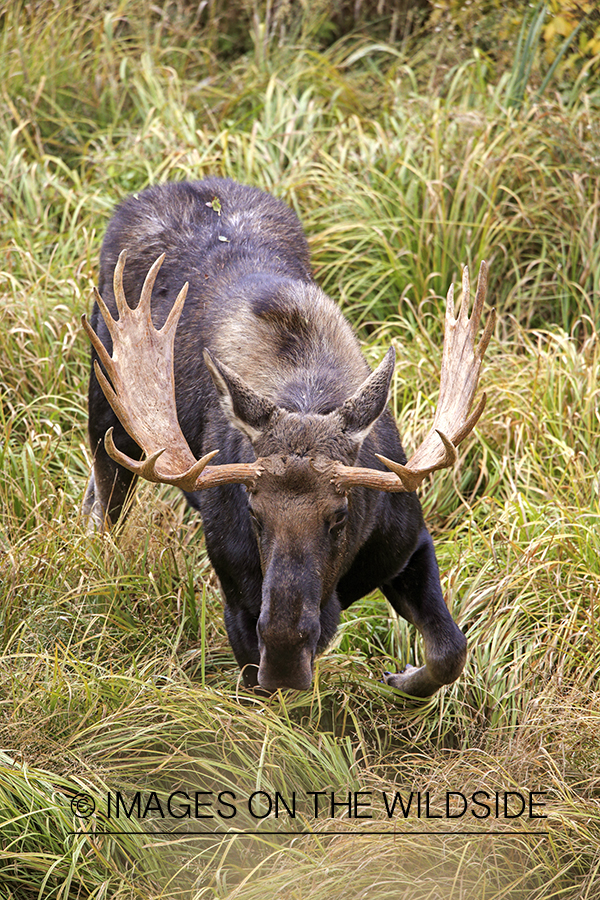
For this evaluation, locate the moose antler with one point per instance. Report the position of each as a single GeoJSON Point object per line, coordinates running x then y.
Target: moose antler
{"type": "Point", "coordinates": [142, 393]}
{"type": "Point", "coordinates": [461, 362]}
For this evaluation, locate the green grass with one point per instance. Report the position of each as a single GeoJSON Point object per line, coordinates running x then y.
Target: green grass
{"type": "Point", "coordinates": [403, 162]}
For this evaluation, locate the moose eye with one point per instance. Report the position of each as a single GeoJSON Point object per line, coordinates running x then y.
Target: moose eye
{"type": "Point", "coordinates": [338, 521]}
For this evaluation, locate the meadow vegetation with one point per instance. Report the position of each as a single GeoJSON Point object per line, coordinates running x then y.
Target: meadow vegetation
{"type": "Point", "coordinates": [405, 153]}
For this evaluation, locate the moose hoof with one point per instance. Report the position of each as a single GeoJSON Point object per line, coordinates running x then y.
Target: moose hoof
{"type": "Point", "coordinates": [397, 679]}
{"type": "Point", "coordinates": [413, 681]}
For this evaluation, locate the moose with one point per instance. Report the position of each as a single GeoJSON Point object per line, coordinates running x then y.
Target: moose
{"type": "Point", "coordinates": [313, 504]}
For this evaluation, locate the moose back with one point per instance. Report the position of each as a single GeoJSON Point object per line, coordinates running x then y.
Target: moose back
{"type": "Point", "coordinates": [312, 504]}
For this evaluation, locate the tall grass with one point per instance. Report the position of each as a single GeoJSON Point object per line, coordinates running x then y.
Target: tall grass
{"type": "Point", "coordinates": [115, 670]}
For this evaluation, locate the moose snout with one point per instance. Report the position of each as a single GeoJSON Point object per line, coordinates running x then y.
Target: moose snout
{"type": "Point", "coordinates": [286, 655]}
{"type": "Point", "coordinates": [289, 625]}
{"type": "Point", "coordinates": [295, 673]}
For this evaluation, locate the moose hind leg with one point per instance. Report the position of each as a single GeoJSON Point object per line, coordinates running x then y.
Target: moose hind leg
{"type": "Point", "coordinates": [416, 595]}
{"type": "Point", "coordinates": [92, 508]}
{"type": "Point", "coordinates": [106, 493]}
{"type": "Point", "coordinates": [110, 484]}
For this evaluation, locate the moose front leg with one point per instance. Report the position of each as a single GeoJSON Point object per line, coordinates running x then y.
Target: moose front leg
{"type": "Point", "coordinates": [241, 631]}
{"type": "Point", "coordinates": [416, 595]}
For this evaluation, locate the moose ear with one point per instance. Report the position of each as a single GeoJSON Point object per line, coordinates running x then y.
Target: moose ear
{"type": "Point", "coordinates": [360, 411]}
{"type": "Point", "coordinates": [247, 411]}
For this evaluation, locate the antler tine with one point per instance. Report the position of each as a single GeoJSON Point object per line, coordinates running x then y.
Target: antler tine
{"type": "Point", "coordinates": [480, 292]}
{"type": "Point", "coordinates": [461, 363]}
{"type": "Point", "coordinates": [466, 294]}
{"type": "Point", "coordinates": [106, 315]}
{"type": "Point", "coordinates": [144, 468]}
{"type": "Point", "coordinates": [146, 408]}
{"type": "Point", "coordinates": [176, 310]}
{"type": "Point", "coordinates": [97, 343]}
{"type": "Point", "coordinates": [122, 306]}
{"type": "Point", "coordinates": [110, 394]}
{"type": "Point", "coordinates": [144, 307]}
{"type": "Point", "coordinates": [468, 426]}
{"type": "Point", "coordinates": [410, 478]}
{"type": "Point", "coordinates": [487, 334]}
{"type": "Point", "coordinates": [450, 304]}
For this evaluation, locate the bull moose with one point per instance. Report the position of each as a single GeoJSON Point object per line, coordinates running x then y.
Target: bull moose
{"type": "Point", "coordinates": [313, 505]}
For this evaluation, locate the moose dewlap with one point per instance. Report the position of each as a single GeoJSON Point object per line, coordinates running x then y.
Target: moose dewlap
{"type": "Point", "coordinates": [210, 336]}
